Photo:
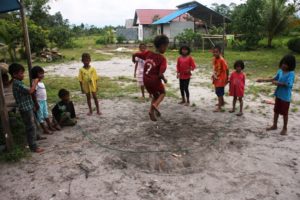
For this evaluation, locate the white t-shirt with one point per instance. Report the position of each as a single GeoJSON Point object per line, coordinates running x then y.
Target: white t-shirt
{"type": "Point", "coordinates": [41, 94]}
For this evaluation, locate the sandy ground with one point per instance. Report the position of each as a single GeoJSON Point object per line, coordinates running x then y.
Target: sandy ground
{"type": "Point", "coordinates": [191, 153]}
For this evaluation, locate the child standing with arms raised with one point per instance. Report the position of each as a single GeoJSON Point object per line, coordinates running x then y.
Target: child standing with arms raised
{"type": "Point", "coordinates": [185, 66]}
{"type": "Point", "coordinates": [284, 80]}
{"type": "Point", "coordinates": [237, 85]}
{"type": "Point", "coordinates": [88, 82]}
{"type": "Point", "coordinates": [154, 68]}
{"type": "Point", "coordinates": [139, 70]}
{"type": "Point", "coordinates": [220, 76]}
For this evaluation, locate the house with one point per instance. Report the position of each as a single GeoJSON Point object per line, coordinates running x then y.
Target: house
{"type": "Point", "coordinates": [129, 32]}
{"type": "Point", "coordinates": [144, 19]}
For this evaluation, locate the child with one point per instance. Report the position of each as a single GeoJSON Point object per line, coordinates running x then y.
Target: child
{"type": "Point", "coordinates": [139, 70]}
{"type": "Point", "coordinates": [284, 80]}
{"type": "Point", "coordinates": [64, 112]}
{"type": "Point", "coordinates": [38, 72]}
{"type": "Point", "coordinates": [24, 101]}
{"type": "Point", "coordinates": [220, 76]}
{"type": "Point", "coordinates": [88, 82]}
{"type": "Point", "coordinates": [154, 68]}
{"type": "Point", "coordinates": [185, 64]}
{"type": "Point", "coordinates": [237, 85]}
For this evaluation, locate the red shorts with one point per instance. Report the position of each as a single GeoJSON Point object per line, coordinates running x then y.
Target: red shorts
{"type": "Point", "coordinates": [281, 107]}
{"type": "Point", "coordinates": [154, 87]}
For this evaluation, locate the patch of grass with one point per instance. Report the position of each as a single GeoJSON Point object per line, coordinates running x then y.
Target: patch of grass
{"type": "Point", "coordinates": [294, 110]}
{"type": "Point", "coordinates": [255, 90]}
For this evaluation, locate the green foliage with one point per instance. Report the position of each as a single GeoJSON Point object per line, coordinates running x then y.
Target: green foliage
{"type": "Point", "coordinates": [225, 10]}
{"type": "Point", "coordinates": [247, 19]}
{"type": "Point", "coordinates": [294, 45]}
{"type": "Point", "coordinates": [188, 37]}
{"type": "Point", "coordinates": [37, 37]}
{"type": "Point", "coordinates": [61, 36]}
{"type": "Point", "coordinates": [120, 39]}
{"type": "Point", "coordinates": [107, 38]}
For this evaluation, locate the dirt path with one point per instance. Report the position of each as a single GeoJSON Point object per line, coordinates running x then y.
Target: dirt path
{"type": "Point", "coordinates": [191, 153]}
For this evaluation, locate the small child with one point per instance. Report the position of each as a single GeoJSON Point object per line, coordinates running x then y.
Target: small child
{"type": "Point", "coordinates": [88, 79]}
{"type": "Point", "coordinates": [220, 76]}
{"type": "Point", "coordinates": [154, 68]}
{"type": "Point", "coordinates": [284, 80]}
{"type": "Point", "coordinates": [185, 64]}
{"type": "Point", "coordinates": [139, 70]}
{"type": "Point", "coordinates": [38, 72]}
{"type": "Point", "coordinates": [25, 104]}
{"type": "Point", "coordinates": [64, 112]}
{"type": "Point", "coordinates": [237, 85]}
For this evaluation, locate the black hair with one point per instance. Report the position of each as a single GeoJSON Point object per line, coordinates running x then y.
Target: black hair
{"type": "Point", "coordinates": [15, 68]}
{"type": "Point", "coordinates": [35, 71]}
{"type": "Point", "coordinates": [239, 63]}
{"type": "Point", "coordinates": [160, 40]}
{"type": "Point", "coordinates": [85, 55]}
{"type": "Point", "coordinates": [218, 47]}
{"type": "Point", "coordinates": [185, 47]}
{"type": "Point", "coordinates": [63, 92]}
{"type": "Point", "coordinates": [290, 61]}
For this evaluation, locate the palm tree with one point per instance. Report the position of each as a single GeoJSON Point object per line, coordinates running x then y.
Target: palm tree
{"type": "Point", "coordinates": [276, 16]}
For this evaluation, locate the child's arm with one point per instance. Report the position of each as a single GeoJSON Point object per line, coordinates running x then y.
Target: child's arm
{"type": "Point", "coordinates": [162, 77]}
{"type": "Point", "coordinates": [135, 68]}
{"type": "Point", "coordinates": [33, 87]}
{"type": "Point", "coordinates": [265, 80]}
{"type": "Point", "coordinates": [36, 104]}
{"type": "Point", "coordinates": [81, 88]}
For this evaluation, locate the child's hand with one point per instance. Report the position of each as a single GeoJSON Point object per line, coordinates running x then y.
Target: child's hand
{"type": "Point", "coordinates": [178, 75]}
{"type": "Point", "coordinates": [35, 81]}
{"type": "Point", "coordinates": [165, 80]}
{"type": "Point", "coordinates": [275, 82]}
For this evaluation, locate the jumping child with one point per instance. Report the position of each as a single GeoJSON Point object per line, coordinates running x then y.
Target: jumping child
{"type": "Point", "coordinates": [154, 68]}
{"type": "Point", "coordinates": [220, 76]}
{"type": "Point", "coordinates": [185, 66]}
{"type": "Point", "coordinates": [88, 82]}
{"type": "Point", "coordinates": [38, 72]}
{"type": "Point", "coordinates": [25, 104]}
{"type": "Point", "coordinates": [139, 70]}
{"type": "Point", "coordinates": [237, 85]}
{"type": "Point", "coordinates": [284, 80]}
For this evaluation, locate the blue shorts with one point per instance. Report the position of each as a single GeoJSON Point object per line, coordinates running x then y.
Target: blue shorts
{"type": "Point", "coordinates": [42, 113]}
{"type": "Point", "coordinates": [220, 91]}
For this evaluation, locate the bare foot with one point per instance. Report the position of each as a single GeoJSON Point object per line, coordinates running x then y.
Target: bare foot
{"type": "Point", "coordinates": [239, 114]}
{"type": "Point", "coordinates": [99, 113]}
{"type": "Point", "coordinates": [187, 104]}
{"type": "Point", "coordinates": [272, 128]}
{"type": "Point", "coordinates": [38, 150]}
{"type": "Point", "coordinates": [283, 132]}
{"type": "Point", "coordinates": [152, 116]}
{"type": "Point", "coordinates": [232, 111]}
{"type": "Point", "coordinates": [181, 102]}
{"type": "Point", "coordinates": [47, 132]}
{"type": "Point", "coordinates": [89, 113]}
{"type": "Point", "coordinates": [156, 111]}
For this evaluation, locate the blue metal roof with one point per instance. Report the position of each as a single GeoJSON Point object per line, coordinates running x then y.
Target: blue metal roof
{"type": "Point", "coordinates": [175, 14]}
{"type": "Point", "coordinates": [9, 5]}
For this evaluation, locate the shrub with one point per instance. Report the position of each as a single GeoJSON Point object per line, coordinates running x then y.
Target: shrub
{"type": "Point", "coordinates": [121, 39]}
{"type": "Point", "coordinates": [294, 44]}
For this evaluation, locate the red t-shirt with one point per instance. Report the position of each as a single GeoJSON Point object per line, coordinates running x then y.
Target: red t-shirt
{"type": "Point", "coordinates": [184, 67]}
{"type": "Point", "coordinates": [237, 84]}
{"type": "Point", "coordinates": [155, 65]}
{"type": "Point", "coordinates": [220, 72]}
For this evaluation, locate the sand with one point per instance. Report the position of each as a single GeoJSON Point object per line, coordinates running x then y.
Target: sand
{"type": "Point", "coordinates": [191, 153]}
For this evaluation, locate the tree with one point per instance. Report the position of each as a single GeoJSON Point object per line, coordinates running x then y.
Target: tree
{"type": "Point", "coordinates": [224, 9]}
{"type": "Point", "coordinates": [276, 15]}
{"type": "Point", "coordinates": [247, 19]}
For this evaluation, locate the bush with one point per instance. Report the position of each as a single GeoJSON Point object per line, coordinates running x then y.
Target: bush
{"type": "Point", "coordinates": [189, 37]}
{"type": "Point", "coordinates": [121, 39]}
{"type": "Point", "coordinates": [294, 44]}
{"type": "Point", "coordinates": [102, 40]}
{"type": "Point", "coordinates": [61, 36]}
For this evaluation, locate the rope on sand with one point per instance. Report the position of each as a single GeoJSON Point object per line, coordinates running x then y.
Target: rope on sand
{"type": "Point", "coordinates": [89, 136]}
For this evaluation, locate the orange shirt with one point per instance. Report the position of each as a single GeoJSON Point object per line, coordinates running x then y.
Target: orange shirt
{"type": "Point", "coordinates": [220, 68]}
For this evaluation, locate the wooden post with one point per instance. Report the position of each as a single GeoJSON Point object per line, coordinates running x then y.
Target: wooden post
{"type": "Point", "coordinates": [26, 39]}
{"type": "Point", "coordinates": [224, 35]}
{"type": "Point", "coordinates": [5, 118]}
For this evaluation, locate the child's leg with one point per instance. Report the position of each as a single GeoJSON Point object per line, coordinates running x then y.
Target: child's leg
{"type": "Point", "coordinates": [186, 89]}
{"type": "Point", "coordinates": [151, 111]}
{"type": "Point", "coordinates": [88, 98]}
{"type": "Point", "coordinates": [275, 121]}
{"type": "Point", "coordinates": [143, 91]}
{"type": "Point", "coordinates": [181, 85]}
{"type": "Point", "coordinates": [233, 105]}
{"type": "Point", "coordinates": [285, 123]}
{"type": "Point", "coordinates": [241, 106]}
{"type": "Point", "coordinates": [96, 102]}
{"type": "Point", "coordinates": [158, 100]}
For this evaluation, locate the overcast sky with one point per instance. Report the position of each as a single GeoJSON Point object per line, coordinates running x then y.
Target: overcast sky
{"type": "Point", "coordinates": [114, 12]}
